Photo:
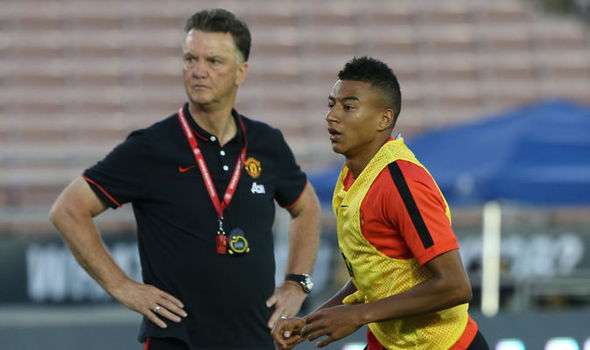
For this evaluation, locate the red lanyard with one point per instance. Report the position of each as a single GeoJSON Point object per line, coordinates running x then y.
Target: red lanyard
{"type": "Point", "coordinates": [233, 184]}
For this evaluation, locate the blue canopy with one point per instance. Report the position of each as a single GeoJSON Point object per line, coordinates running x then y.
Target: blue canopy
{"type": "Point", "coordinates": [538, 154]}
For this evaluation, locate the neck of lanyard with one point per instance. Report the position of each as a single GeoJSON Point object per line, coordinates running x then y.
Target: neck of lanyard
{"type": "Point", "coordinates": [233, 184]}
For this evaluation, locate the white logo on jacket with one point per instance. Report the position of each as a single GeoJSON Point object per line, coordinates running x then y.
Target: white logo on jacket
{"type": "Point", "coordinates": [256, 188]}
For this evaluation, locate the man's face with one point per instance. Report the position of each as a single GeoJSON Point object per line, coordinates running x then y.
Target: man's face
{"type": "Point", "coordinates": [211, 70]}
{"type": "Point", "coordinates": [354, 116]}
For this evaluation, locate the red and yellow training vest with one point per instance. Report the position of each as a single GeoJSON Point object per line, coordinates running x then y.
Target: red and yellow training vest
{"type": "Point", "coordinates": [377, 276]}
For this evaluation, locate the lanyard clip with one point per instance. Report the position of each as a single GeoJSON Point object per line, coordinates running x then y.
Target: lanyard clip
{"type": "Point", "coordinates": [220, 230]}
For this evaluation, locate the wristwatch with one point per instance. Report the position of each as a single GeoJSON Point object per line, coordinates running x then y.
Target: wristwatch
{"type": "Point", "coordinates": [303, 279]}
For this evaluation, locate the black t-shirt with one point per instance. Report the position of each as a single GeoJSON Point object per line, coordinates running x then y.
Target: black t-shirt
{"type": "Point", "coordinates": [156, 171]}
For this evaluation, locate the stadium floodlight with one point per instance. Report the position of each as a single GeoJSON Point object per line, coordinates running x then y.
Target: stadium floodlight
{"type": "Point", "coordinates": [510, 344]}
{"type": "Point", "coordinates": [562, 343]}
{"type": "Point", "coordinates": [353, 346]}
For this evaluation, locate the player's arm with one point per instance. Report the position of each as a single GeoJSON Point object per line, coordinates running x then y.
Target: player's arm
{"type": "Point", "coordinates": [72, 214]}
{"type": "Point", "coordinates": [304, 231]}
{"type": "Point", "coordinates": [447, 287]}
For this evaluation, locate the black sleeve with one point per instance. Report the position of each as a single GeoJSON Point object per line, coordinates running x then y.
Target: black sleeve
{"type": "Point", "coordinates": [120, 177]}
{"type": "Point", "coordinates": [292, 180]}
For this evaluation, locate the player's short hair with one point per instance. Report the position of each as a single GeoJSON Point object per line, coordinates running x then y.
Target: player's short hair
{"type": "Point", "coordinates": [379, 75]}
{"type": "Point", "coordinates": [222, 21]}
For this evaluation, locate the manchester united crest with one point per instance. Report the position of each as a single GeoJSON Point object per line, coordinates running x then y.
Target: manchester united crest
{"type": "Point", "coordinates": [252, 167]}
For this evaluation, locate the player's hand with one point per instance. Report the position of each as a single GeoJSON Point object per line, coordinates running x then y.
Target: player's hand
{"type": "Point", "coordinates": [150, 301]}
{"type": "Point", "coordinates": [335, 323]}
{"type": "Point", "coordinates": [287, 332]}
{"type": "Point", "coordinates": [287, 300]}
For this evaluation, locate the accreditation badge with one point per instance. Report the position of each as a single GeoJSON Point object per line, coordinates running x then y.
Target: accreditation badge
{"type": "Point", "coordinates": [237, 242]}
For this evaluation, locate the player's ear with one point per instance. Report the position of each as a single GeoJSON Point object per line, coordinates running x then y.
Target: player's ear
{"type": "Point", "coordinates": [387, 120]}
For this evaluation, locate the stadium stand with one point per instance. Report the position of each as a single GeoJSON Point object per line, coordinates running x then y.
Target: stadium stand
{"type": "Point", "coordinates": [78, 76]}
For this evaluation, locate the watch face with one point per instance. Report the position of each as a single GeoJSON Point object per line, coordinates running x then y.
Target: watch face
{"type": "Point", "coordinates": [307, 284]}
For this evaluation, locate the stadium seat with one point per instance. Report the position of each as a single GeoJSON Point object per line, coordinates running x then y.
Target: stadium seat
{"type": "Point", "coordinates": [78, 76]}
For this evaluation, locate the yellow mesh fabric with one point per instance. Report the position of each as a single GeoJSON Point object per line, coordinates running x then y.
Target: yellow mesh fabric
{"type": "Point", "coordinates": [377, 276]}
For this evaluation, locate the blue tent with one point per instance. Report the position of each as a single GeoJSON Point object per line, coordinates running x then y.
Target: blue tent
{"type": "Point", "coordinates": [537, 154]}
